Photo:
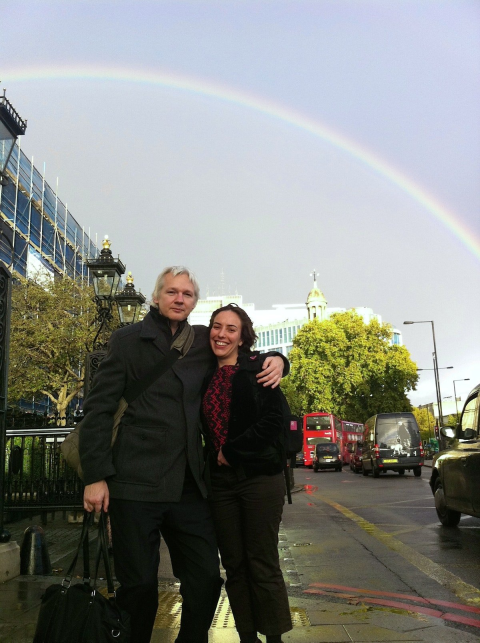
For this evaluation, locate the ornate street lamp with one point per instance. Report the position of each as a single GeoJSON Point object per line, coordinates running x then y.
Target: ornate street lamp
{"type": "Point", "coordinates": [105, 272]}
{"type": "Point", "coordinates": [11, 127]}
{"type": "Point", "coordinates": [129, 303]}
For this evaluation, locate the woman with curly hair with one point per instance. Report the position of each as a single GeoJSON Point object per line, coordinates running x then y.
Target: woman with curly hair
{"type": "Point", "coordinates": [243, 424]}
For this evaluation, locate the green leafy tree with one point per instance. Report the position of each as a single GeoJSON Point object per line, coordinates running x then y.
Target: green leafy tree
{"type": "Point", "coordinates": [51, 327]}
{"type": "Point", "coordinates": [349, 368]}
{"type": "Point", "coordinates": [290, 393]}
{"type": "Point", "coordinates": [426, 423]}
{"type": "Point", "coordinates": [452, 421]}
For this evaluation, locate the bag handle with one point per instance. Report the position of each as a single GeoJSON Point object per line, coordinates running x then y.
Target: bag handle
{"type": "Point", "coordinates": [102, 552]}
{"type": "Point", "coordinates": [87, 519]}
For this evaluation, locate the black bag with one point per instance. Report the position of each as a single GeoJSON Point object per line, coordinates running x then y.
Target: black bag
{"type": "Point", "coordinates": [292, 429]}
{"type": "Point", "coordinates": [79, 613]}
{"type": "Point", "coordinates": [290, 441]}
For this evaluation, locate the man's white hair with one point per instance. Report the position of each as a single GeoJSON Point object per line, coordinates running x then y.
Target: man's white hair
{"type": "Point", "coordinates": [174, 270]}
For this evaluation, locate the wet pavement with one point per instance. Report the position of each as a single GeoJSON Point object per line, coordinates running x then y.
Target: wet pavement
{"type": "Point", "coordinates": [328, 604]}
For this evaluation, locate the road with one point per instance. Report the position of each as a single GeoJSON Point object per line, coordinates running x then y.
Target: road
{"type": "Point", "coordinates": [347, 533]}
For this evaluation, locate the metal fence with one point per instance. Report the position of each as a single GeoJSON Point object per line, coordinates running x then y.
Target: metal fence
{"type": "Point", "coordinates": [37, 478]}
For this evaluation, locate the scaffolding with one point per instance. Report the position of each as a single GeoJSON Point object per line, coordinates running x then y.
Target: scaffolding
{"type": "Point", "coordinates": [39, 226]}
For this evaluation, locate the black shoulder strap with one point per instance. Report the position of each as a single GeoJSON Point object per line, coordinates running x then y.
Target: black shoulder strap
{"type": "Point", "coordinates": [179, 349]}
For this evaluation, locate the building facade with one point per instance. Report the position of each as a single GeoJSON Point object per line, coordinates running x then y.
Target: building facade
{"type": "Point", "coordinates": [277, 327]}
{"type": "Point", "coordinates": [37, 231]}
{"type": "Point", "coordinates": [38, 234]}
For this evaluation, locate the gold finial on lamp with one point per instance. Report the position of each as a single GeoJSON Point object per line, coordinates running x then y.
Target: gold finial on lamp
{"type": "Point", "coordinates": [106, 243]}
{"type": "Point", "coordinates": [129, 278]}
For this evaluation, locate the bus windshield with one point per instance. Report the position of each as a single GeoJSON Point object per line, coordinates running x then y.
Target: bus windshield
{"type": "Point", "coordinates": [318, 423]}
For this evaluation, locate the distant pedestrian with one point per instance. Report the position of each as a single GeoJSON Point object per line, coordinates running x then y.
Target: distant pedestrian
{"type": "Point", "coordinates": [243, 422]}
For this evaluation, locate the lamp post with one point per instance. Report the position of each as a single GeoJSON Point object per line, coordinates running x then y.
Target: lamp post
{"type": "Point", "coordinates": [435, 367]}
{"type": "Point", "coordinates": [105, 272]}
{"type": "Point", "coordinates": [129, 303]}
{"type": "Point", "coordinates": [440, 368]}
{"type": "Point", "coordinates": [466, 379]}
{"type": "Point", "coordinates": [11, 127]}
{"type": "Point", "coordinates": [429, 432]}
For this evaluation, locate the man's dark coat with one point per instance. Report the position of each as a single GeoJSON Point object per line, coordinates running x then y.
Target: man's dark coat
{"type": "Point", "coordinates": [159, 432]}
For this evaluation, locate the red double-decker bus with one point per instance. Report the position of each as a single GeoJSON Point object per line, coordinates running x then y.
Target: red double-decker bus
{"type": "Point", "coordinates": [351, 432]}
{"type": "Point", "coordinates": [317, 428]}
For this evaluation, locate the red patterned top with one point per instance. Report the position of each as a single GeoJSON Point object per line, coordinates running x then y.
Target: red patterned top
{"type": "Point", "coordinates": [216, 404]}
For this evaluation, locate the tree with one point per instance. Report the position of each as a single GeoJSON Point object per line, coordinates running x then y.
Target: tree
{"type": "Point", "coordinates": [426, 423]}
{"type": "Point", "coordinates": [289, 391]}
{"type": "Point", "coordinates": [453, 421]}
{"type": "Point", "coordinates": [349, 368]}
{"type": "Point", "coordinates": [51, 328]}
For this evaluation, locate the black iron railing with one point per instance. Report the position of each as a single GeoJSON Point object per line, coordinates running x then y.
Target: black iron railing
{"type": "Point", "coordinates": [37, 478]}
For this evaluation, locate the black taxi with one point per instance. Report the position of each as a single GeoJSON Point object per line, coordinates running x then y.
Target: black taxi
{"type": "Point", "coordinates": [455, 479]}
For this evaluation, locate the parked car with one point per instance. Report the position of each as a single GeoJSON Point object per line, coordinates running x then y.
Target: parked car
{"type": "Point", "coordinates": [391, 442]}
{"type": "Point", "coordinates": [356, 458]}
{"type": "Point", "coordinates": [455, 479]}
{"type": "Point", "coordinates": [348, 449]}
{"type": "Point", "coordinates": [327, 456]}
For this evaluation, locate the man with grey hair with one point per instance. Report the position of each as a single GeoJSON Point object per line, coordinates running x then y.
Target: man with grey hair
{"type": "Point", "coordinates": [150, 481]}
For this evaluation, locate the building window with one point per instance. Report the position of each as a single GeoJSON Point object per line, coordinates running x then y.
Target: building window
{"type": "Point", "coordinates": [280, 335]}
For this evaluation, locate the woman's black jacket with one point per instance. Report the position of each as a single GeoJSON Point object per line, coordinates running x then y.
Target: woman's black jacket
{"type": "Point", "coordinates": [254, 442]}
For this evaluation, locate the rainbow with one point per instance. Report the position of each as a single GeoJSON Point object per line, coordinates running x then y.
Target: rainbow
{"type": "Point", "coordinates": [280, 112]}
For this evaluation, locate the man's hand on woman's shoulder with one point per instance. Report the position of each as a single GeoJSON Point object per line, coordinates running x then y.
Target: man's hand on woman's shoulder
{"type": "Point", "coordinates": [272, 372]}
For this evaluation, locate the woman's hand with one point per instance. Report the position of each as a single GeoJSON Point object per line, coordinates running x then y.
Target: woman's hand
{"type": "Point", "coordinates": [272, 372]}
{"type": "Point", "coordinates": [96, 496]}
{"type": "Point", "coordinates": [221, 460]}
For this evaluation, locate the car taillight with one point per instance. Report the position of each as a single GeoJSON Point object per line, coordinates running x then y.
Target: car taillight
{"type": "Point", "coordinates": [377, 451]}
{"type": "Point", "coordinates": [422, 452]}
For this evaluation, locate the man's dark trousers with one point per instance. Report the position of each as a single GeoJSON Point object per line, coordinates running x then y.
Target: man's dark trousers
{"type": "Point", "coordinates": [188, 531]}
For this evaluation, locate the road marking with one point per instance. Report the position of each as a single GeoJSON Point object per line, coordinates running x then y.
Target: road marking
{"type": "Point", "coordinates": [391, 504]}
{"type": "Point", "coordinates": [417, 599]}
{"type": "Point", "coordinates": [465, 592]}
{"type": "Point", "coordinates": [446, 616]}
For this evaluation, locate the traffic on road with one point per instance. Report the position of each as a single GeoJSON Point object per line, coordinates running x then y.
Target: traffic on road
{"type": "Point", "coordinates": [395, 534]}
{"type": "Point", "coordinates": [359, 536]}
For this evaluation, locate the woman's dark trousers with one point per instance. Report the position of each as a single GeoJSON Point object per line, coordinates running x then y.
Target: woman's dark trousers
{"type": "Point", "coordinates": [247, 516]}
{"type": "Point", "coordinates": [188, 532]}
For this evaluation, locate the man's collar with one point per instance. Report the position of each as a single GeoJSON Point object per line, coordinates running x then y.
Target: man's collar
{"type": "Point", "coordinates": [155, 321]}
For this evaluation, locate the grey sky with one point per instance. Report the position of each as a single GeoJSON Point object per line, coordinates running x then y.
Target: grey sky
{"type": "Point", "coordinates": [177, 177]}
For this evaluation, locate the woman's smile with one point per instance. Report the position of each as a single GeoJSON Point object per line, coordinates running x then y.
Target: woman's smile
{"type": "Point", "coordinates": [225, 337]}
